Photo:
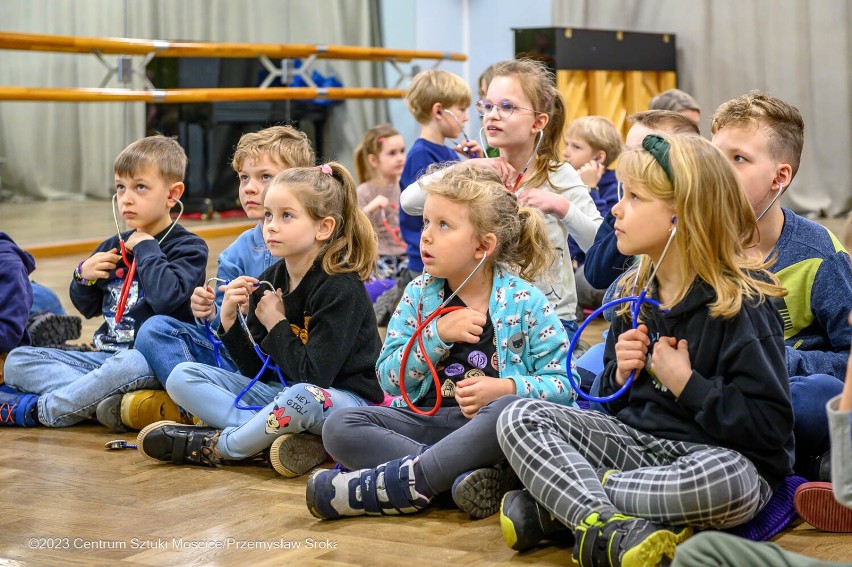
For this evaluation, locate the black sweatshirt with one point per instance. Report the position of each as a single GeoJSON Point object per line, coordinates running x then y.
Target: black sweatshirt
{"type": "Point", "coordinates": [329, 339]}
{"type": "Point", "coordinates": [738, 396]}
{"type": "Point", "coordinates": [166, 275]}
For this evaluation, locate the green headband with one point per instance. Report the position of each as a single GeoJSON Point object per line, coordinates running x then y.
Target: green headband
{"type": "Point", "coordinates": [658, 147]}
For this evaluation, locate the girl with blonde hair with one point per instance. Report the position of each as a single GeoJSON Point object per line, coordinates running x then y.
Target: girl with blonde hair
{"type": "Point", "coordinates": [705, 431]}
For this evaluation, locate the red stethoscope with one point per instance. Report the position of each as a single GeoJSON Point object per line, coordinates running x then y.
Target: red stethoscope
{"type": "Point", "coordinates": [421, 324]}
{"type": "Point", "coordinates": [394, 232]}
{"type": "Point", "coordinates": [131, 270]}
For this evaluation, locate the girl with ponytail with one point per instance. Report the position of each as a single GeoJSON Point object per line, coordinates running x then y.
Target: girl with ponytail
{"type": "Point", "coordinates": [523, 114]}
{"type": "Point", "coordinates": [505, 340]}
{"type": "Point", "coordinates": [309, 314]}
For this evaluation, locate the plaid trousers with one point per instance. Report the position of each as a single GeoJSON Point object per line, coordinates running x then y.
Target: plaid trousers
{"type": "Point", "coordinates": [562, 453]}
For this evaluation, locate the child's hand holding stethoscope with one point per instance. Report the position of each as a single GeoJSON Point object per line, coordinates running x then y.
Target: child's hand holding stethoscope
{"type": "Point", "coordinates": [503, 168]}
{"type": "Point", "coordinates": [135, 238]}
{"type": "Point", "coordinates": [236, 298]}
{"type": "Point", "coordinates": [670, 362]}
{"type": "Point", "coordinates": [462, 326]}
{"type": "Point", "coordinates": [470, 149]}
{"type": "Point", "coordinates": [99, 265]}
{"type": "Point", "coordinates": [630, 352]}
{"type": "Point", "coordinates": [203, 303]}
{"type": "Point", "coordinates": [270, 309]}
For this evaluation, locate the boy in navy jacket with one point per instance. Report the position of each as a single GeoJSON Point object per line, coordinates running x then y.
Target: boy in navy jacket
{"type": "Point", "coordinates": [60, 388]}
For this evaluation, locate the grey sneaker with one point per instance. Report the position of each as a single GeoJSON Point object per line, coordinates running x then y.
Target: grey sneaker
{"type": "Point", "coordinates": [108, 413]}
{"type": "Point", "coordinates": [479, 492]}
{"type": "Point", "coordinates": [294, 454]}
{"type": "Point", "coordinates": [52, 329]}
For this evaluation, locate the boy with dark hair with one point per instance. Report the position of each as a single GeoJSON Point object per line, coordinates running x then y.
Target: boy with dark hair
{"type": "Point", "coordinates": [59, 388]}
{"type": "Point", "coordinates": [678, 101]}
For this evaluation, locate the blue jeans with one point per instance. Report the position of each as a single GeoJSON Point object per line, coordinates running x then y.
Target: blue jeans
{"type": "Point", "coordinates": [70, 384]}
{"type": "Point", "coordinates": [570, 328]}
{"type": "Point", "coordinates": [209, 393]}
{"type": "Point", "coordinates": [166, 342]}
{"type": "Point", "coordinates": [809, 395]}
{"type": "Point", "coordinates": [45, 301]}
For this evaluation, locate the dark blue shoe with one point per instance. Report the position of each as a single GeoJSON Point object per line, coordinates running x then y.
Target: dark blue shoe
{"type": "Point", "coordinates": [18, 410]}
{"type": "Point", "coordinates": [385, 490]}
{"type": "Point", "coordinates": [51, 329]}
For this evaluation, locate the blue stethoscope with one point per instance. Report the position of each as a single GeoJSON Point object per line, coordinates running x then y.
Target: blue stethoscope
{"type": "Point", "coordinates": [636, 302]}
{"type": "Point", "coordinates": [213, 337]}
{"type": "Point", "coordinates": [118, 444]}
{"type": "Point", "coordinates": [265, 358]}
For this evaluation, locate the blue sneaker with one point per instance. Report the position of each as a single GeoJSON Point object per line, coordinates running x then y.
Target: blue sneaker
{"type": "Point", "coordinates": [383, 491]}
{"type": "Point", "coordinates": [18, 410]}
{"type": "Point", "coordinates": [479, 492]}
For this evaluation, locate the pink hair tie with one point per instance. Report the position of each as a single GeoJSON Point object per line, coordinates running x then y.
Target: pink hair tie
{"type": "Point", "coordinates": [325, 168]}
{"type": "Point", "coordinates": [381, 140]}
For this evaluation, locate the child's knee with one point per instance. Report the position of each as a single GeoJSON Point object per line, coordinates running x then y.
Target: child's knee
{"type": "Point", "coordinates": [182, 379]}
{"type": "Point", "coordinates": [299, 408]}
{"type": "Point", "coordinates": [337, 429]}
{"type": "Point", "coordinates": [518, 415]}
{"type": "Point", "coordinates": [14, 367]}
{"type": "Point", "coordinates": [153, 331]}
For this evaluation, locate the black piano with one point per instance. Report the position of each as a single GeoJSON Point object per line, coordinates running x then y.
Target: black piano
{"type": "Point", "coordinates": [209, 132]}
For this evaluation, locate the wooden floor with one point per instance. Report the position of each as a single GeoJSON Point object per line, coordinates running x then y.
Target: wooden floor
{"type": "Point", "coordinates": [65, 500]}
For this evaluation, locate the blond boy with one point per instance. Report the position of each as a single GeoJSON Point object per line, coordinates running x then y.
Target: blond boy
{"type": "Point", "coordinates": [438, 100]}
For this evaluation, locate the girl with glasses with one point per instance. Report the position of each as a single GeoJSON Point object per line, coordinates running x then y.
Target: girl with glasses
{"type": "Point", "coordinates": [524, 117]}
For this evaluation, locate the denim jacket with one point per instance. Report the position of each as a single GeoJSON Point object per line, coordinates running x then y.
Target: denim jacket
{"type": "Point", "coordinates": [246, 256]}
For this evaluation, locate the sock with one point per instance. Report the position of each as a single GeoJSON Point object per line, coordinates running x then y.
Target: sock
{"type": "Point", "coordinates": [421, 487]}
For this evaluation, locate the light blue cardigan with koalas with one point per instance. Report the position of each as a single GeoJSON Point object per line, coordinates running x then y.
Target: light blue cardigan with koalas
{"type": "Point", "coordinates": [531, 343]}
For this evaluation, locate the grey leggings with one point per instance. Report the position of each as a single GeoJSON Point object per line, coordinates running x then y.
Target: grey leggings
{"type": "Point", "coordinates": [448, 443]}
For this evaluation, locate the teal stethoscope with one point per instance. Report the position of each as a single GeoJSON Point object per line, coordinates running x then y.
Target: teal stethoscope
{"type": "Point", "coordinates": [636, 302]}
